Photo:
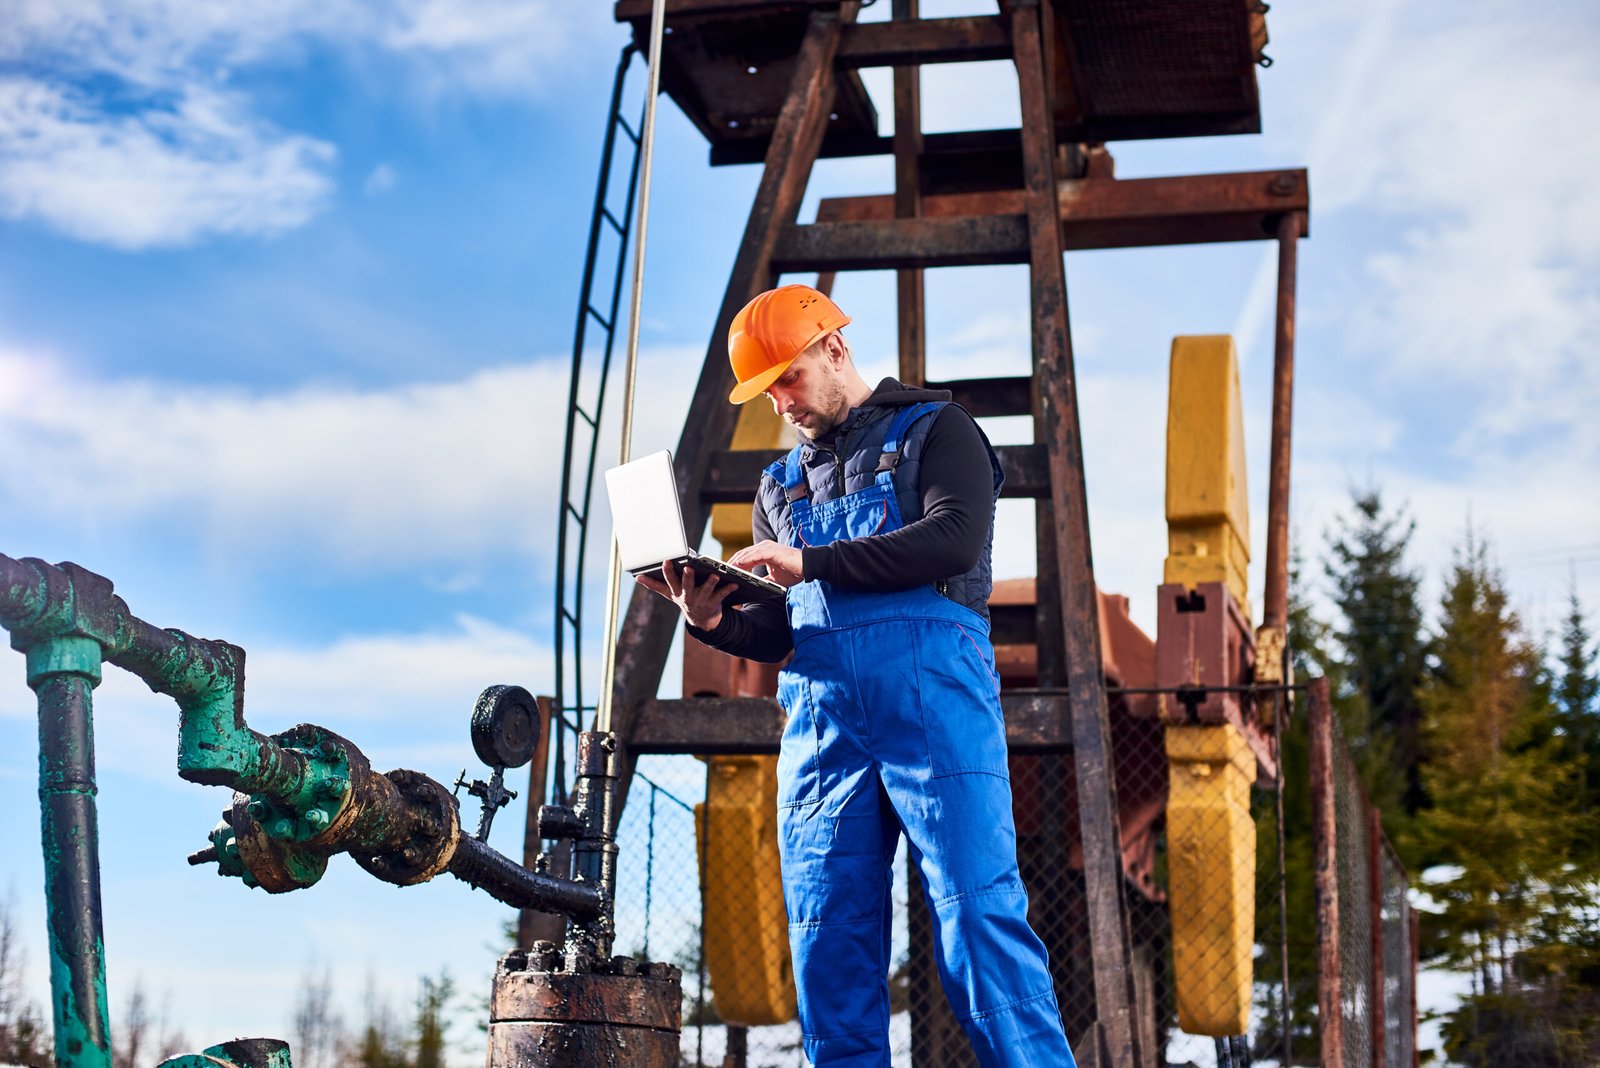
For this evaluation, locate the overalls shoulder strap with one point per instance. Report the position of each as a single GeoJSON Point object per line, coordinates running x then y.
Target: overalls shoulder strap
{"type": "Point", "coordinates": [894, 441]}
{"type": "Point", "coordinates": [791, 475]}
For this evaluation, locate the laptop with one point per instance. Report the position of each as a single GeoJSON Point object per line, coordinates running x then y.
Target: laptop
{"type": "Point", "coordinates": [649, 528]}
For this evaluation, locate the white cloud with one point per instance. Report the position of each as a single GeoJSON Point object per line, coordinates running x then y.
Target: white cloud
{"type": "Point", "coordinates": [436, 472]}
{"type": "Point", "coordinates": [1454, 149]}
{"type": "Point", "coordinates": [128, 132]}
{"type": "Point", "coordinates": [158, 176]}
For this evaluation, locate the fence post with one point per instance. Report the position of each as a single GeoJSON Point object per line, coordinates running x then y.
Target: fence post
{"type": "Point", "coordinates": [1325, 843]}
{"type": "Point", "coordinates": [1416, 947]}
{"type": "Point", "coordinates": [1375, 891]}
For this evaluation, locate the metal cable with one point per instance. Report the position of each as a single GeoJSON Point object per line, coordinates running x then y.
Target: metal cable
{"type": "Point", "coordinates": [608, 667]}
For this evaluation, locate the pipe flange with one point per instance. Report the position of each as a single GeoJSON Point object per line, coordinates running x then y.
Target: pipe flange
{"type": "Point", "coordinates": [275, 865]}
{"type": "Point", "coordinates": [435, 826]}
{"type": "Point", "coordinates": [333, 765]}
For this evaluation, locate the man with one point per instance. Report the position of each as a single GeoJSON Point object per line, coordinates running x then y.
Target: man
{"type": "Point", "coordinates": [880, 523]}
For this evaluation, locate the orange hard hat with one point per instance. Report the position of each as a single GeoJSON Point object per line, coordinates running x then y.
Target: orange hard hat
{"type": "Point", "coordinates": [772, 330]}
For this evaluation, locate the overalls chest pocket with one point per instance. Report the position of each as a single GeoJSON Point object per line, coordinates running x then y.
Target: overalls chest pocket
{"type": "Point", "coordinates": [861, 514]}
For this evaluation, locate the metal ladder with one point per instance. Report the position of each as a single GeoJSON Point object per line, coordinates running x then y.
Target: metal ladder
{"type": "Point", "coordinates": [585, 403]}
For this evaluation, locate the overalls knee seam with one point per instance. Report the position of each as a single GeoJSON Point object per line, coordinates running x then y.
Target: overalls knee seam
{"type": "Point", "coordinates": [812, 925]}
{"type": "Point", "coordinates": [967, 895]}
{"type": "Point", "coordinates": [984, 1014]}
{"type": "Point", "coordinates": [972, 771]}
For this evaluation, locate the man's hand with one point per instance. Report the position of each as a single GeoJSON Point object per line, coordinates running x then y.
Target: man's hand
{"type": "Point", "coordinates": [700, 602]}
{"type": "Point", "coordinates": [783, 562]}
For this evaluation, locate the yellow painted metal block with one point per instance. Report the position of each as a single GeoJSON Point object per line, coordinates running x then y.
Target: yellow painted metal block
{"type": "Point", "coordinates": [1208, 502]}
{"type": "Point", "coordinates": [1211, 865]}
{"type": "Point", "coordinates": [759, 427]}
{"type": "Point", "coordinates": [746, 929]}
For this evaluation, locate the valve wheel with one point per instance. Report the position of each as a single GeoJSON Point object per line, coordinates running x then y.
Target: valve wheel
{"type": "Point", "coordinates": [505, 726]}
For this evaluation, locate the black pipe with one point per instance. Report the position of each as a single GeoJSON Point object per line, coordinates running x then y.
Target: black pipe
{"type": "Point", "coordinates": [505, 880]}
{"type": "Point", "coordinates": [594, 854]}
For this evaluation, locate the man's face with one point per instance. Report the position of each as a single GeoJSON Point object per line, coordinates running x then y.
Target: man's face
{"type": "Point", "coordinates": [811, 394]}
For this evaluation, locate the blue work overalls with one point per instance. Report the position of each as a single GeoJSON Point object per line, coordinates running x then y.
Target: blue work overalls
{"type": "Point", "coordinates": [895, 725]}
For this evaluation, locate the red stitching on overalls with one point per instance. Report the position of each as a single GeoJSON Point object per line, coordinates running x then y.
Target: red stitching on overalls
{"type": "Point", "coordinates": [995, 675]}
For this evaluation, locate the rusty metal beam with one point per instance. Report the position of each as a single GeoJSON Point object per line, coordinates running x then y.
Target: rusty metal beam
{"type": "Point", "coordinates": [991, 396]}
{"type": "Point", "coordinates": [651, 621]}
{"type": "Point", "coordinates": [892, 244]}
{"type": "Point", "coordinates": [532, 925]}
{"type": "Point", "coordinates": [731, 475]}
{"type": "Point", "coordinates": [1132, 212]}
{"type": "Point", "coordinates": [637, 10]}
{"type": "Point", "coordinates": [1275, 599]}
{"type": "Point", "coordinates": [745, 725]}
{"type": "Point", "coordinates": [1325, 869]}
{"type": "Point", "coordinates": [1056, 424]}
{"type": "Point", "coordinates": [908, 199]}
{"type": "Point", "coordinates": [954, 40]}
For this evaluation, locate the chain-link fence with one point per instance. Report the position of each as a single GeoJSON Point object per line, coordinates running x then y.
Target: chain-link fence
{"type": "Point", "coordinates": [1215, 914]}
{"type": "Point", "coordinates": [1353, 848]}
{"type": "Point", "coordinates": [1365, 927]}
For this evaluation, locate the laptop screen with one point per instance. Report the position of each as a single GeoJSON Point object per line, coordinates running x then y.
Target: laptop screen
{"type": "Point", "coordinates": [645, 512]}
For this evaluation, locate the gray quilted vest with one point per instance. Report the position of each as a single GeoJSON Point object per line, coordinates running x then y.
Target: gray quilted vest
{"type": "Point", "coordinates": [850, 464]}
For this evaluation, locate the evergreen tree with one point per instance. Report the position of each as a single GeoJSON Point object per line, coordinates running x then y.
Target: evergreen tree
{"type": "Point", "coordinates": [433, 1001]}
{"type": "Point", "coordinates": [1384, 648]}
{"type": "Point", "coordinates": [1577, 690]}
{"type": "Point", "coordinates": [1498, 823]}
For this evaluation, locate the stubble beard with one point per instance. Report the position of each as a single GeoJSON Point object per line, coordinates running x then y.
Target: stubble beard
{"type": "Point", "coordinates": [829, 411]}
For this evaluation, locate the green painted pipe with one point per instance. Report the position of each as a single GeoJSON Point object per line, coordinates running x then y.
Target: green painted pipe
{"type": "Point", "coordinates": [63, 673]}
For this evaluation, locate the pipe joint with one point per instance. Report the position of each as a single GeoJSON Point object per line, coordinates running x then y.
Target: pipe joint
{"type": "Point", "coordinates": [64, 619]}
{"type": "Point", "coordinates": [66, 655]}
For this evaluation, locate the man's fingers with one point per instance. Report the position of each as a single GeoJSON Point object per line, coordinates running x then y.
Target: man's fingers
{"type": "Point", "coordinates": [674, 583]}
{"type": "Point", "coordinates": [654, 585]}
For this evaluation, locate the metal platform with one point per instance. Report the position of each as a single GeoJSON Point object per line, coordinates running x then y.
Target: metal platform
{"type": "Point", "coordinates": [1120, 70]}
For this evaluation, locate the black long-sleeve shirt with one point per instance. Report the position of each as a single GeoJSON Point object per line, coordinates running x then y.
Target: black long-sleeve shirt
{"type": "Point", "coordinates": [957, 492]}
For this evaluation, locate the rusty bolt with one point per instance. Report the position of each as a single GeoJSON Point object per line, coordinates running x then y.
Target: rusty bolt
{"type": "Point", "coordinates": [258, 810]}
{"type": "Point", "coordinates": [334, 786]}
{"type": "Point", "coordinates": [317, 818]}
{"type": "Point", "coordinates": [626, 966]}
{"type": "Point", "coordinates": [1283, 185]}
{"type": "Point", "coordinates": [282, 827]}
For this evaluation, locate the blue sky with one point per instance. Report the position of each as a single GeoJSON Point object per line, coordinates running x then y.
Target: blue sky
{"type": "Point", "coordinates": [287, 291]}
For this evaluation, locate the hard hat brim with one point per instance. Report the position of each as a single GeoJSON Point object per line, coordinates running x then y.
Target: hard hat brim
{"type": "Point", "coordinates": [752, 388]}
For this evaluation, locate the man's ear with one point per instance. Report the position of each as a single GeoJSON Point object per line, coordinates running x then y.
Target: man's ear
{"type": "Point", "coordinates": [838, 352]}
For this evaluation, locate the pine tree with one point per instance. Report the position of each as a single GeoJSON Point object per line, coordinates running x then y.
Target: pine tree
{"type": "Point", "coordinates": [1384, 648]}
{"type": "Point", "coordinates": [1498, 822]}
{"type": "Point", "coordinates": [1577, 691]}
{"type": "Point", "coordinates": [433, 1001]}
